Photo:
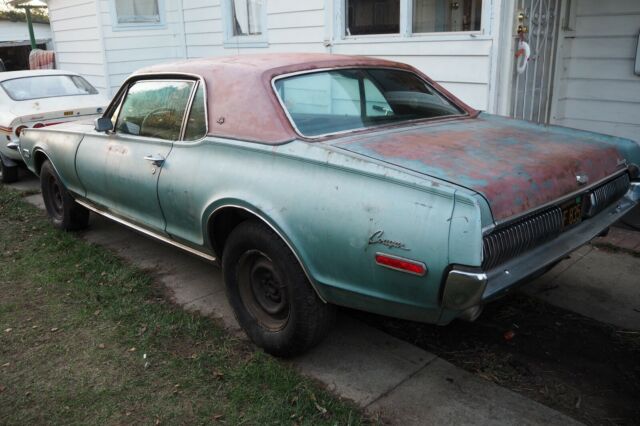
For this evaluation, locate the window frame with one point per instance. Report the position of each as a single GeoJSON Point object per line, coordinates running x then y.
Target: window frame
{"type": "Point", "coordinates": [232, 41]}
{"type": "Point", "coordinates": [406, 27]}
{"type": "Point", "coordinates": [122, 93]}
{"type": "Point", "coordinates": [463, 114]}
{"type": "Point", "coordinates": [117, 26]}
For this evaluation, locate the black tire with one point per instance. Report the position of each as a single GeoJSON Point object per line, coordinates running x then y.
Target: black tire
{"type": "Point", "coordinates": [270, 294]}
{"type": "Point", "coordinates": [8, 174]}
{"type": "Point", "coordinates": [62, 209]}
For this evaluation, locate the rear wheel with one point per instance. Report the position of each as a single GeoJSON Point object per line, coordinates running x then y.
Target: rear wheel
{"type": "Point", "coordinates": [270, 293]}
{"type": "Point", "coordinates": [62, 209]}
{"type": "Point", "coordinates": [8, 174]}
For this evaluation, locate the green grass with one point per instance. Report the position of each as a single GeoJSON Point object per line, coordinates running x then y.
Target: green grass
{"type": "Point", "coordinates": [87, 338]}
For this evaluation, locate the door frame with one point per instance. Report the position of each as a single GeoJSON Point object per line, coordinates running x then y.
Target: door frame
{"type": "Point", "coordinates": [505, 56]}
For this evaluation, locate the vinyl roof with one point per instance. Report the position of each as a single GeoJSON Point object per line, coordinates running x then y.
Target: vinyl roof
{"type": "Point", "coordinates": [241, 101]}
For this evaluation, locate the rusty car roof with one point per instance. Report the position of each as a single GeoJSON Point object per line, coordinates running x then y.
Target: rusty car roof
{"type": "Point", "coordinates": [242, 103]}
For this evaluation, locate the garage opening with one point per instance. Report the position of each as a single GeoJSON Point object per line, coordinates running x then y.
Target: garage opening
{"type": "Point", "coordinates": [15, 56]}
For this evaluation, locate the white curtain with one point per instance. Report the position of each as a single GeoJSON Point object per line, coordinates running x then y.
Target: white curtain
{"type": "Point", "coordinates": [247, 17]}
{"type": "Point", "coordinates": [129, 11]}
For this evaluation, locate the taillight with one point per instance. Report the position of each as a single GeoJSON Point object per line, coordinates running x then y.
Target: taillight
{"type": "Point", "coordinates": [19, 130]}
{"type": "Point", "coordinates": [38, 125]}
{"type": "Point", "coordinates": [401, 264]}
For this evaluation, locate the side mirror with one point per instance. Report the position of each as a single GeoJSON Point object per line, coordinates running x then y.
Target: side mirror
{"type": "Point", "coordinates": [103, 124]}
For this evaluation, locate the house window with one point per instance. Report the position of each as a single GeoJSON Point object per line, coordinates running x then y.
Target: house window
{"type": "Point", "coordinates": [136, 12]}
{"type": "Point", "coordinates": [247, 17]}
{"type": "Point", "coordinates": [246, 23]}
{"type": "Point", "coordinates": [411, 16]}
{"type": "Point", "coordinates": [373, 17]}
{"type": "Point", "coordinates": [430, 16]}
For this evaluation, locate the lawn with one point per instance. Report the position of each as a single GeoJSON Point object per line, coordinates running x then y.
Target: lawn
{"type": "Point", "coordinates": [87, 338]}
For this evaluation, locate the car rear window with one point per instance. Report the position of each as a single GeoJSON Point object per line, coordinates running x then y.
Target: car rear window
{"type": "Point", "coordinates": [47, 86]}
{"type": "Point", "coordinates": [335, 101]}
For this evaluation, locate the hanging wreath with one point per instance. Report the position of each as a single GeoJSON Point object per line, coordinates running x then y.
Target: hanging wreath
{"type": "Point", "coordinates": [522, 54]}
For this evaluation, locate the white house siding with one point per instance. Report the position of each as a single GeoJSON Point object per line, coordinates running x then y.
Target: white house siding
{"type": "Point", "coordinates": [195, 28]}
{"type": "Point", "coordinates": [292, 26]}
{"type": "Point", "coordinates": [127, 50]}
{"type": "Point", "coordinates": [78, 45]}
{"type": "Point", "coordinates": [460, 63]}
{"type": "Point", "coordinates": [203, 27]}
{"type": "Point", "coordinates": [18, 32]}
{"type": "Point", "coordinates": [596, 88]}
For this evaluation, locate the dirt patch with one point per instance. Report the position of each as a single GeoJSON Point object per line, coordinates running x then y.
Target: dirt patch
{"type": "Point", "coordinates": [584, 368]}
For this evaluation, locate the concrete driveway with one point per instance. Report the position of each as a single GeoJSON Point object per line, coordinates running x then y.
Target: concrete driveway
{"type": "Point", "coordinates": [388, 377]}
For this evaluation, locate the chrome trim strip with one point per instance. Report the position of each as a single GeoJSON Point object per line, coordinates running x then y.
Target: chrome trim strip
{"type": "Point", "coordinates": [463, 114]}
{"type": "Point", "coordinates": [146, 231]}
{"type": "Point", "coordinates": [313, 283]}
{"type": "Point", "coordinates": [564, 198]}
{"type": "Point", "coordinates": [187, 110]}
{"type": "Point", "coordinates": [404, 259]}
{"type": "Point", "coordinates": [634, 192]}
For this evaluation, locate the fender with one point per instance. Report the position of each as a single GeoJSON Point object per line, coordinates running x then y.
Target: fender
{"type": "Point", "coordinates": [60, 149]}
{"type": "Point", "coordinates": [219, 205]}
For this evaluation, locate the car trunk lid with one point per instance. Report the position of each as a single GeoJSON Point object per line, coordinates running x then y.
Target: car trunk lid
{"type": "Point", "coordinates": [517, 166]}
{"type": "Point", "coordinates": [49, 111]}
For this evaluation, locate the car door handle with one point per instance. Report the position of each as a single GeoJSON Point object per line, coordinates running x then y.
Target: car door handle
{"type": "Point", "coordinates": [156, 160]}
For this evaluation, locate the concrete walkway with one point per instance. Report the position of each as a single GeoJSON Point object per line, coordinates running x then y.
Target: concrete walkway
{"type": "Point", "coordinates": [386, 376]}
{"type": "Point", "coordinates": [596, 283]}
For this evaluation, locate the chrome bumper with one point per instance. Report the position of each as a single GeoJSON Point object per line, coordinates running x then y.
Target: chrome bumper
{"type": "Point", "coordinates": [466, 287]}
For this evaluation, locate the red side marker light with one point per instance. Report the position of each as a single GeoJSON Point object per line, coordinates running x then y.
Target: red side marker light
{"type": "Point", "coordinates": [401, 264]}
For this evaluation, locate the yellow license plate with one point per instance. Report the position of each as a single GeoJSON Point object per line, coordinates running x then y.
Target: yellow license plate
{"type": "Point", "coordinates": [572, 212]}
{"type": "Point", "coordinates": [68, 113]}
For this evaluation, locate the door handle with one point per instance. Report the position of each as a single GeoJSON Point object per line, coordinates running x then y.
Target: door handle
{"type": "Point", "coordinates": [157, 159]}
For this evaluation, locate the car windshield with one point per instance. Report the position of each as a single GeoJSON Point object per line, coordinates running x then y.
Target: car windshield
{"type": "Point", "coordinates": [47, 86]}
{"type": "Point", "coordinates": [326, 102]}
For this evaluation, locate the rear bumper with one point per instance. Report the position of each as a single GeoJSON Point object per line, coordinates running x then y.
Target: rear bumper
{"type": "Point", "coordinates": [466, 288]}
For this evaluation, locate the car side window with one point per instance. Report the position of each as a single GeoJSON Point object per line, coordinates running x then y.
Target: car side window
{"type": "Point", "coordinates": [154, 108]}
{"type": "Point", "coordinates": [197, 121]}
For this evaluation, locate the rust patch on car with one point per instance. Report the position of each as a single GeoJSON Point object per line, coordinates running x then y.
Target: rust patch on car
{"type": "Point", "coordinates": [516, 166]}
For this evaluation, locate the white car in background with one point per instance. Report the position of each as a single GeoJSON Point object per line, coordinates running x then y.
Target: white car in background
{"type": "Point", "coordinates": [40, 98]}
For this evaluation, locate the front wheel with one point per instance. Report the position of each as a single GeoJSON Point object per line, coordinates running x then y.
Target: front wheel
{"type": "Point", "coordinates": [270, 294]}
{"type": "Point", "coordinates": [8, 174]}
{"type": "Point", "coordinates": [62, 209]}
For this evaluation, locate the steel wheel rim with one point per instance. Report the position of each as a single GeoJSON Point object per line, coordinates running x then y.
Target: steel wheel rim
{"type": "Point", "coordinates": [263, 291]}
{"type": "Point", "coordinates": [55, 193]}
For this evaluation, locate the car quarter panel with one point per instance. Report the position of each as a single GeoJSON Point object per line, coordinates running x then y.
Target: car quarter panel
{"type": "Point", "coordinates": [335, 209]}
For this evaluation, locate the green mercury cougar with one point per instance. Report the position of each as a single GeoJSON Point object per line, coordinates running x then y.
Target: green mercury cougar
{"type": "Point", "coordinates": [319, 180]}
